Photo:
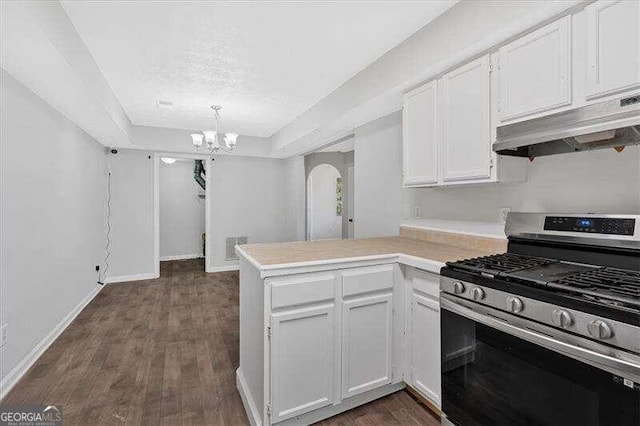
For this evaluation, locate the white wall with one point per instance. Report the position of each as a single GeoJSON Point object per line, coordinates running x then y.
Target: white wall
{"type": "Point", "coordinates": [295, 199]}
{"type": "Point", "coordinates": [132, 215]}
{"type": "Point", "coordinates": [323, 221]}
{"type": "Point", "coordinates": [248, 198]}
{"type": "Point", "coordinates": [53, 186]}
{"type": "Point", "coordinates": [598, 181]}
{"type": "Point", "coordinates": [182, 212]}
{"type": "Point", "coordinates": [378, 178]}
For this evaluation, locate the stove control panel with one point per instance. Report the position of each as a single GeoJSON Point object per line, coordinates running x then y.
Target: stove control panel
{"type": "Point", "coordinates": [615, 333]}
{"type": "Point", "coordinates": [593, 225]}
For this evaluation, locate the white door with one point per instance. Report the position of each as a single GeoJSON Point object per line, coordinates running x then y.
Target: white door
{"type": "Point", "coordinates": [613, 47]}
{"type": "Point", "coordinates": [419, 136]}
{"type": "Point", "coordinates": [425, 347]}
{"type": "Point", "coordinates": [466, 131]}
{"type": "Point", "coordinates": [350, 204]}
{"type": "Point", "coordinates": [303, 364]}
{"type": "Point", "coordinates": [535, 71]}
{"type": "Point", "coordinates": [366, 343]}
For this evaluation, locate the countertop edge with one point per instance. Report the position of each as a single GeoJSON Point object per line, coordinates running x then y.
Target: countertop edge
{"type": "Point", "coordinates": [429, 265]}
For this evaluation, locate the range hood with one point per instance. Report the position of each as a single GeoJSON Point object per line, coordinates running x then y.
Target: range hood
{"type": "Point", "coordinates": [609, 124]}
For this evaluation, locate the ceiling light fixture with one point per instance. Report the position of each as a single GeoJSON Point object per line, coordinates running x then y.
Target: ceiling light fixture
{"type": "Point", "coordinates": [167, 160]}
{"type": "Point", "coordinates": [212, 138]}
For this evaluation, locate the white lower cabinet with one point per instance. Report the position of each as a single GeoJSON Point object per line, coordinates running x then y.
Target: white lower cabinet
{"type": "Point", "coordinates": [330, 338]}
{"type": "Point", "coordinates": [425, 346]}
{"type": "Point", "coordinates": [336, 335]}
{"type": "Point", "coordinates": [424, 333]}
{"type": "Point", "coordinates": [366, 343]}
{"type": "Point", "coordinates": [302, 361]}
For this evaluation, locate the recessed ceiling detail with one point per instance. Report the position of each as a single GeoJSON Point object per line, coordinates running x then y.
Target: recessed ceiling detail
{"type": "Point", "coordinates": [266, 62]}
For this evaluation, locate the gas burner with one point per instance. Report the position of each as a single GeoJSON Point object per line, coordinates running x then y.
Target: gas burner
{"type": "Point", "coordinates": [613, 286]}
{"type": "Point", "coordinates": [499, 264]}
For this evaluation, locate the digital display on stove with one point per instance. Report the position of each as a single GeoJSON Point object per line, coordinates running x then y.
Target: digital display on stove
{"type": "Point", "coordinates": [587, 223]}
{"type": "Point", "coordinates": [594, 225]}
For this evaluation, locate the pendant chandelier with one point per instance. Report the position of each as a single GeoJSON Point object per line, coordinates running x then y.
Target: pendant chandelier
{"type": "Point", "coordinates": [211, 140]}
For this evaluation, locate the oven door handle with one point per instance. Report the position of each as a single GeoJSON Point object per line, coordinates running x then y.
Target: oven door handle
{"type": "Point", "coordinates": [621, 367]}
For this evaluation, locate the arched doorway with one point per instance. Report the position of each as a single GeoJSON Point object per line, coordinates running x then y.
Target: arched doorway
{"type": "Point", "coordinates": [324, 203]}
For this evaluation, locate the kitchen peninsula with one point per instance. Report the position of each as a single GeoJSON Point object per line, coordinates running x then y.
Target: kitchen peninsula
{"type": "Point", "coordinates": [326, 326]}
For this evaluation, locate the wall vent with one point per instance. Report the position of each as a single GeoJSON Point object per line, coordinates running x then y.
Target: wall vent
{"type": "Point", "coordinates": [230, 247]}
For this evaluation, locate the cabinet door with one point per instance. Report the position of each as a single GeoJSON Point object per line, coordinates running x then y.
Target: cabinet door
{"type": "Point", "coordinates": [303, 344]}
{"type": "Point", "coordinates": [466, 131]}
{"type": "Point", "coordinates": [613, 47]}
{"type": "Point", "coordinates": [366, 343]}
{"type": "Point", "coordinates": [535, 71]}
{"type": "Point", "coordinates": [419, 150]}
{"type": "Point", "coordinates": [425, 347]}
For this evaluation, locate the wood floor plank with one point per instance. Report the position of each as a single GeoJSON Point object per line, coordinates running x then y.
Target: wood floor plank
{"type": "Point", "coordinates": [165, 351]}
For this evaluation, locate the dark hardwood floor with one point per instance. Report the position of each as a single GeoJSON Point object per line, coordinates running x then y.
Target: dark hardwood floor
{"type": "Point", "coordinates": [164, 352]}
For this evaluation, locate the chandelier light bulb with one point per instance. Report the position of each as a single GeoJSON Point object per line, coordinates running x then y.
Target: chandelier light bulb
{"type": "Point", "coordinates": [197, 139]}
{"type": "Point", "coordinates": [210, 136]}
{"type": "Point", "coordinates": [230, 140]}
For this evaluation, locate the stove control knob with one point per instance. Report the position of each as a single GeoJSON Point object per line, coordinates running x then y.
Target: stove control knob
{"type": "Point", "coordinates": [600, 330]}
{"type": "Point", "coordinates": [562, 318]}
{"type": "Point", "coordinates": [458, 287]}
{"type": "Point", "coordinates": [514, 304]}
{"type": "Point", "coordinates": [477, 294]}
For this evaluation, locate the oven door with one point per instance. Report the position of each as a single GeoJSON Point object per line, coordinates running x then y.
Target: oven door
{"type": "Point", "coordinates": [500, 369]}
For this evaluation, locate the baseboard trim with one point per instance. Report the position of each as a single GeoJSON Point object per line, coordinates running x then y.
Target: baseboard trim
{"type": "Point", "coordinates": [181, 257]}
{"type": "Point", "coordinates": [320, 414]}
{"type": "Point", "coordinates": [225, 268]}
{"type": "Point", "coordinates": [255, 419]}
{"type": "Point", "coordinates": [16, 374]}
{"type": "Point", "coordinates": [431, 406]}
{"type": "Point", "coordinates": [135, 277]}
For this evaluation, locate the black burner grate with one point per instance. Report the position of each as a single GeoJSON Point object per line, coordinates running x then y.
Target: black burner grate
{"type": "Point", "coordinates": [616, 284]}
{"type": "Point", "coordinates": [611, 286]}
{"type": "Point", "coordinates": [499, 263]}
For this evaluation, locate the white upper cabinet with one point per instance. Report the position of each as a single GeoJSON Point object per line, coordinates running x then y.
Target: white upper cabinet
{"type": "Point", "coordinates": [535, 72]}
{"type": "Point", "coordinates": [419, 126]}
{"type": "Point", "coordinates": [448, 127]}
{"type": "Point", "coordinates": [466, 132]}
{"type": "Point", "coordinates": [613, 47]}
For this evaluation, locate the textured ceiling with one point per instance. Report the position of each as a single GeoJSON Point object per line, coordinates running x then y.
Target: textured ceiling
{"type": "Point", "coordinates": [264, 62]}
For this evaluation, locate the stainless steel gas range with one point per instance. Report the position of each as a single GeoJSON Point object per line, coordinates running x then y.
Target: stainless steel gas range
{"type": "Point", "coordinates": [549, 332]}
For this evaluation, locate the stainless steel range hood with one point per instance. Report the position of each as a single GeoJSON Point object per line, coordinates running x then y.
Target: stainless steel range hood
{"type": "Point", "coordinates": [614, 123]}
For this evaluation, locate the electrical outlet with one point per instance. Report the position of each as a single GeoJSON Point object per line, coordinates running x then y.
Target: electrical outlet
{"type": "Point", "coordinates": [417, 211]}
{"type": "Point", "coordinates": [504, 212]}
{"type": "Point", "coordinates": [407, 211]}
{"type": "Point", "coordinates": [4, 334]}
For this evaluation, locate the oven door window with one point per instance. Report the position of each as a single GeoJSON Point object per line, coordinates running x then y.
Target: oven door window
{"type": "Point", "coordinates": [492, 378]}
